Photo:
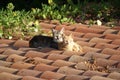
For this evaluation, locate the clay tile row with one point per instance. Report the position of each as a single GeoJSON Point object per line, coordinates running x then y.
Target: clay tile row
{"type": "Point", "coordinates": [112, 36]}
{"type": "Point", "coordinates": [11, 51]}
{"type": "Point", "coordinates": [19, 62]}
{"type": "Point", "coordinates": [8, 76]}
{"type": "Point", "coordinates": [6, 41]}
{"type": "Point", "coordinates": [89, 30]}
{"type": "Point", "coordinates": [21, 43]}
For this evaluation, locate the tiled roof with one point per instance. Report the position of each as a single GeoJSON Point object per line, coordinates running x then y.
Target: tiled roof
{"type": "Point", "coordinates": [100, 59]}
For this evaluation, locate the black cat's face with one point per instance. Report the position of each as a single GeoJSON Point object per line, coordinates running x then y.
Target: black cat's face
{"type": "Point", "coordinates": [58, 35]}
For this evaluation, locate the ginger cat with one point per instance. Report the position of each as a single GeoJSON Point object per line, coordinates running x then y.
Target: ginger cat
{"type": "Point", "coordinates": [68, 44]}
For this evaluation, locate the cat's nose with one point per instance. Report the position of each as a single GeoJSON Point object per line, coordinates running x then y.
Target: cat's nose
{"type": "Point", "coordinates": [66, 42]}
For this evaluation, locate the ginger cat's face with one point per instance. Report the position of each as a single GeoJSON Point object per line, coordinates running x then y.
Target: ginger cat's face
{"type": "Point", "coordinates": [68, 39]}
{"type": "Point", "coordinates": [58, 35]}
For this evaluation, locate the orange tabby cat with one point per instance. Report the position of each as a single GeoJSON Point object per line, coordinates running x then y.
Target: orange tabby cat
{"type": "Point", "coordinates": [68, 44]}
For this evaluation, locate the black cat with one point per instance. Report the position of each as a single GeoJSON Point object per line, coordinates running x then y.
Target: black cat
{"type": "Point", "coordinates": [40, 41]}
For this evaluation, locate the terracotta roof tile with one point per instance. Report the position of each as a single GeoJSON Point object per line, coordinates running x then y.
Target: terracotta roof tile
{"type": "Point", "coordinates": [74, 34]}
{"type": "Point", "coordinates": [15, 58]}
{"type": "Point", "coordinates": [114, 69]}
{"type": "Point", "coordinates": [70, 53]}
{"type": "Point", "coordinates": [118, 49]}
{"type": "Point", "coordinates": [2, 50]}
{"type": "Point", "coordinates": [76, 77]}
{"type": "Point", "coordinates": [6, 41]}
{"type": "Point", "coordinates": [8, 76]}
{"type": "Point", "coordinates": [11, 51]}
{"type": "Point", "coordinates": [114, 75]}
{"type": "Point", "coordinates": [105, 62]}
{"type": "Point", "coordinates": [35, 54]}
{"type": "Point", "coordinates": [100, 40]}
{"type": "Point", "coordinates": [100, 27]}
{"type": "Point", "coordinates": [61, 63]}
{"type": "Point", "coordinates": [94, 73]}
{"type": "Point", "coordinates": [27, 72]}
{"type": "Point", "coordinates": [4, 47]}
{"type": "Point", "coordinates": [22, 65]}
{"type": "Point", "coordinates": [55, 52]}
{"type": "Point", "coordinates": [77, 59]}
{"type": "Point", "coordinates": [112, 36]}
{"type": "Point", "coordinates": [119, 33]}
{"type": "Point", "coordinates": [81, 66]}
{"type": "Point", "coordinates": [8, 70]}
{"type": "Point", "coordinates": [28, 49]}
{"type": "Point", "coordinates": [105, 45]}
{"type": "Point", "coordinates": [46, 25]}
{"type": "Point", "coordinates": [91, 35]}
{"type": "Point", "coordinates": [88, 30]}
{"type": "Point", "coordinates": [31, 78]}
{"type": "Point", "coordinates": [118, 66]}
{"type": "Point", "coordinates": [110, 51]}
{"type": "Point", "coordinates": [96, 55]}
{"type": "Point", "coordinates": [78, 34]}
{"type": "Point", "coordinates": [100, 78]}
{"type": "Point", "coordinates": [38, 60]}
{"type": "Point", "coordinates": [4, 63]}
{"type": "Point", "coordinates": [78, 25]}
{"type": "Point", "coordinates": [59, 27]}
{"type": "Point", "coordinates": [3, 57]}
{"type": "Point", "coordinates": [80, 39]}
{"type": "Point", "coordinates": [110, 31]}
{"type": "Point", "coordinates": [116, 27]}
{"type": "Point", "coordinates": [116, 41]}
{"type": "Point", "coordinates": [44, 67]}
{"type": "Point", "coordinates": [83, 43]}
{"type": "Point", "coordinates": [52, 75]}
{"type": "Point", "coordinates": [57, 57]}
{"type": "Point", "coordinates": [90, 49]}
{"type": "Point", "coordinates": [69, 71]}
{"type": "Point", "coordinates": [21, 43]}
{"type": "Point", "coordinates": [115, 57]}
{"type": "Point", "coordinates": [67, 32]}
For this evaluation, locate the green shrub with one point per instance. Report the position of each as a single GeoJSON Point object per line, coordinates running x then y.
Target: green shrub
{"type": "Point", "coordinates": [16, 23]}
{"type": "Point", "coordinates": [53, 12]}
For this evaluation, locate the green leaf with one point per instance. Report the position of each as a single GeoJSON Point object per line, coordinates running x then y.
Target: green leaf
{"type": "Point", "coordinates": [1, 33]}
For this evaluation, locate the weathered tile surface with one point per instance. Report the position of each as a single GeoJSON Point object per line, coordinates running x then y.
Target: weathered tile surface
{"type": "Point", "coordinates": [100, 59]}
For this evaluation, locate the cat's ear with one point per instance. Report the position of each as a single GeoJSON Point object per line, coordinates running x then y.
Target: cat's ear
{"type": "Point", "coordinates": [62, 30]}
{"type": "Point", "coordinates": [53, 30]}
{"type": "Point", "coordinates": [71, 35]}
